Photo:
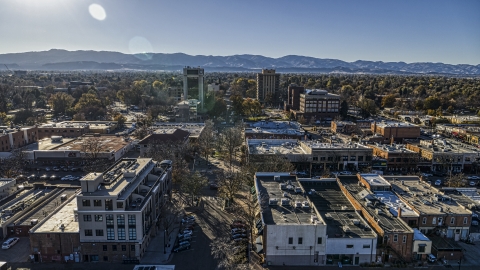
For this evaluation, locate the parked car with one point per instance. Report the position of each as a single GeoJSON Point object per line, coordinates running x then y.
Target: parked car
{"type": "Point", "coordinates": [183, 242]}
{"type": "Point", "coordinates": [239, 235]}
{"type": "Point", "coordinates": [185, 238]}
{"type": "Point", "coordinates": [426, 174]}
{"type": "Point", "coordinates": [54, 177]}
{"type": "Point", "coordinates": [44, 177]}
{"type": "Point", "coordinates": [56, 169]}
{"type": "Point", "coordinates": [185, 234]}
{"type": "Point", "coordinates": [431, 258]}
{"type": "Point", "coordinates": [31, 177]}
{"type": "Point", "coordinates": [473, 183]}
{"type": "Point", "coordinates": [10, 242]}
{"type": "Point", "coordinates": [473, 177]}
{"type": "Point", "coordinates": [189, 218]}
{"type": "Point", "coordinates": [67, 178]}
{"type": "Point", "coordinates": [47, 169]}
{"type": "Point", "coordinates": [345, 173]}
{"type": "Point", "coordinates": [238, 230]}
{"type": "Point", "coordinates": [438, 182]}
{"type": "Point", "coordinates": [182, 247]}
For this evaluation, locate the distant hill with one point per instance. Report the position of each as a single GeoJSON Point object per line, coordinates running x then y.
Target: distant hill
{"type": "Point", "coordinates": [102, 60]}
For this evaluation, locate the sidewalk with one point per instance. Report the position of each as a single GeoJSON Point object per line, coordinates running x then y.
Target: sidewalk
{"type": "Point", "coordinates": [156, 252]}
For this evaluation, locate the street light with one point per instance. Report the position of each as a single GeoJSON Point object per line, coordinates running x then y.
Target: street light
{"type": "Point", "coordinates": [459, 263]}
{"type": "Point", "coordinates": [164, 244]}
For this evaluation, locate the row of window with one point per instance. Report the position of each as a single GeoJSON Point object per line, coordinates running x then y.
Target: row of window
{"type": "Point", "coordinates": [109, 217]}
{"type": "Point", "coordinates": [115, 248]}
{"type": "Point", "coordinates": [440, 219]}
{"type": "Point", "coordinates": [300, 240]}
{"type": "Point", "coordinates": [395, 238]}
{"type": "Point", "coordinates": [344, 158]}
{"type": "Point", "coordinates": [132, 233]}
{"type": "Point", "coordinates": [58, 130]}
{"type": "Point", "coordinates": [98, 203]}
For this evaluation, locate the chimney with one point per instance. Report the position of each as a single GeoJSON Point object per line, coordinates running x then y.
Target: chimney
{"type": "Point", "coordinates": [399, 215]}
{"type": "Point", "coordinates": [391, 140]}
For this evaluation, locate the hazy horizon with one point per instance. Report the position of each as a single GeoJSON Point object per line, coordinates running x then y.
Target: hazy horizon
{"type": "Point", "coordinates": [409, 31]}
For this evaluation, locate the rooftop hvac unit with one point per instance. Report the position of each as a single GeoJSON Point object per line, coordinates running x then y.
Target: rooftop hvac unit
{"type": "Point", "coordinates": [298, 190]}
{"type": "Point", "coordinates": [285, 202]}
{"type": "Point", "coordinates": [344, 207]}
{"type": "Point", "coordinates": [306, 205]}
{"type": "Point", "coordinates": [356, 221]}
{"type": "Point", "coordinates": [328, 216]}
{"type": "Point", "coordinates": [282, 186]}
{"type": "Point", "coordinates": [346, 229]}
{"type": "Point", "coordinates": [273, 202]}
{"type": "Point", "coordinates": [276, 178]}
{"type": "Point", "coordinates": [313, 218]}
{"type": "Point", "coordinates": [298, 204]}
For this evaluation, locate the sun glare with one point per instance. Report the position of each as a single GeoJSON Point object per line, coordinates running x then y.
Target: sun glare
{"type": "Point", "coordinates": [97, 12]}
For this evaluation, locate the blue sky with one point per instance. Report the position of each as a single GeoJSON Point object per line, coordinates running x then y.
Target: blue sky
{"type": "Point", "coordinates": [378, 30]}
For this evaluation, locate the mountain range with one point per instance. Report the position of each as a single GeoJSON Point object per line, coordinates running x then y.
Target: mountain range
{"type": "Point", "coordinates": [57, 59]}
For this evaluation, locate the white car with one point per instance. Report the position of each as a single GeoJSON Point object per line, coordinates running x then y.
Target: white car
{"type": "Point", "coordinates": [472, 183]}
{"type": "Point", "coordinates": [427, 174]}
{"type": "Point", "coordinates": [346, 173]}
{"type": "Point", "coordinates": [473, 177]}
{"type": "Point", "coordinates": [438, 182]}
{"type": "Point", "coordinates": [67, 178]}
{"type": "Point", "coordinates": [10, 242]}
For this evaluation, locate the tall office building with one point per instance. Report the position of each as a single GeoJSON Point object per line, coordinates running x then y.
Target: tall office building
{"type": "Point", "coordinates": [195, 73]}
{"type": "Point", "coordinates": [268, 86]}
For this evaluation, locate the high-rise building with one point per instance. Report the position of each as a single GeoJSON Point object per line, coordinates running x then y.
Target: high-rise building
{"type": "Point", "coordinates": [293, 101]}
{"type": "Point", "coordinates": [268, 86]}
{"type": "Point", "coordinates": [196, 73]}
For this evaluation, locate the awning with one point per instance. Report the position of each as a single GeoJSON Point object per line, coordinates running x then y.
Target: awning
{"type": "Point", "coordinates": [259, 244]}
{"type": "Point", "coordinates": [422, 245]}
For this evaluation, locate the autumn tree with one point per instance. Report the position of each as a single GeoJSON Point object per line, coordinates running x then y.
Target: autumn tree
{"type": "Point", "coordinates": [61, 102]}
{"type": "Point", "coordinates": [229, 140]}
{"type": "Point", "coordinates": [192, 184]}
{"type": "Point", "coordinates": [388, 101]}
{"type": "Point", "coordinates": [456, 180]}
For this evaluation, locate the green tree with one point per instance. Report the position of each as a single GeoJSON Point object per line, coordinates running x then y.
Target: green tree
{"type": "Point", "coordinates": [388, 101]}
{"type": "Point", "coordinates": [431, 103]}
{"type": "Point", "coordinates": [60, 102]}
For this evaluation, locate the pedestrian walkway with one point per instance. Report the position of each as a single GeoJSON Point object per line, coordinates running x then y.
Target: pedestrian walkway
{"type": "Point", "coordinates": [159, 250]}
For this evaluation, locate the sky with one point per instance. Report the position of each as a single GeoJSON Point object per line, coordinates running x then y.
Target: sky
{"type": "Point", "coordinates": [349, 30]}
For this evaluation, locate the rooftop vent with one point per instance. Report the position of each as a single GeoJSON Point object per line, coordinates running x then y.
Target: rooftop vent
{"type": "Point", "coordinates": [298, 204]}
{"type": "Point", "coordinates": [314, 218]}
{"type": "Point", "coordinates": [285, 202]}
{"type": "Point", "coordinates": [273, 202]}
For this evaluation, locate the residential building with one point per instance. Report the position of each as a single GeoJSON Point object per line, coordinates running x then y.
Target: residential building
{"type": "Point", "coordinates": [118, 209]}
{"type": "Point", "coordinates": [395, 237]}
{"type": "Point", "coordinates": [318, 105]}
{"type": "Point", "coordinates": [293, 97]}
{"type": "Point", "coordinates": [268, 86]}
{"type": "Point", "coordinates": [175, 93]}
{"type": "Point", "coordinates": [213, 87]}
{"type": "Point", "coordinates": [438, 213]}
{"type": "Point", "coordinates": [392, 131]}
{"type": "Point", "coordinates": [12, 138]}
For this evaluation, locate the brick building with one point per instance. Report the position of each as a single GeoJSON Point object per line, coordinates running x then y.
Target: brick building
{"type": "Point", "coordinates": [15, 138]}
{"type": "Point", "coordinates": [293, 97]}
{"type": "Point", "coordinates": [318, 104]}
{"type": "Point", "coordinates": [398, 157]}
{"type": "Point", "coordinates": [268, 86]}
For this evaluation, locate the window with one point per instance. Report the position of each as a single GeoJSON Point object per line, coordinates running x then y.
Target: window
{"type": "Point", "coordinates": [290, 240]}
{"type": "Point", "coordinates": [315, 158]}
{"type": "Point", "coordinates": [366, 246]}
{"type": "Point", "coordinates": [404, 239]}
{"type": "Point", "coordinates": [114, 247]}
{"type": "Point", "coordinates": [131, 220]}
{"type": "Point", "coordinates": [121, 220]}
{"type": "Point", "coordinates": [330, 158]}
{"type": "Point", "coordinates": [98, 232]}
{"type": "Point", "coordinates": [465, 220]}
{"type": "Point", "coordinates": [440, 220]}
{"type": "Point", "coordinates": [87, 217]}
{"type": "Point", "coordinates": [110, 234]}
{"type": "Point", "coordinates": [124, 247]}
{"type": "Point", "coordinates": [94, 258]}
{"type": "Point", "coordinates": [395, 237]}
{"type": "Point", "coordinates": [109, 219]}
{"type": "Point", "coordinates": [319, 240]}
{"type": "Point", "coordinates": [452, 220]}
{"type": "Point", "coordinates": [85, 202]}
{"type": "Point", "coordinates": [421, 249]}
{"type": "Point", "coordinates": [322, 158]}
{"type": "Point", "coordinates": [99, 218]}
{"type": "Point", "coordinates": [108, 204]}
{"type": "Point", "coordinates": [360, 158]}
{"type": "Point", "coordinates": [349, 246]}
{"type": "Point", "coordinates": [97, 202]}
{"type": "Point", "coordinates": [132, 234]}
{"type": "Point", "coordinates": [120, 205]}
{"type": "Point", "coordinates": [434, 220]}
{"type": "Point", "coordinates": [105, 258]}
{"type": "Point", "coordinates": [121, 233]}
{"type": "Point", "coordinates": [88, 233]}
{"type": "Point", "coordinates": [105, 248]}
{"type": "Point", "coordinates": [132, 247]}
{"type": "Point", "coordinates": [424, 220]}
{"type": "Point", "coordinates": [300, 240]}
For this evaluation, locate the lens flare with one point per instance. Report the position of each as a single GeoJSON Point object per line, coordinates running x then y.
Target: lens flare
{"type": "Point", "coordinates": [97, 12]}
{"type": "Point", "coordinates": [140, 47]}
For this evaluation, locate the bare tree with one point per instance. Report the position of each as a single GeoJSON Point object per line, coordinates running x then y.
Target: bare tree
{"type": "Point", "coordinates": [192, 184]}
{"type": "Point", "coordinates": [170, 216]}
{"type": "Point", "coordinates": [231, 255]}
{"type": "Point", "coordinates": [206, 140]}
{"type": "Point", "coordinates": [456, 180]}
{"type": "Point", "coordinates": [229, 140]}
{"type": "Point", "coordinates": [13, 165]}
{"type": "Point", "coordinates": [91, 148]}
{"type": "Point", "coordinates": [229, 184]}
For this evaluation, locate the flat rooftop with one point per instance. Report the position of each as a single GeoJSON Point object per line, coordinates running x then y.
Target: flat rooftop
{"type": "Point", "coordinates": [195, 129]}
{"type": "Point", "coordinates": [395, 148]}
{"type": "Point", "coordinates": [374, 179]}
{"type": "Point", "coordinates": [446, 146]}
{"type": "Point", "coordinates": [418, 235]}
{"type": "Point", "coordinates": [66, 216]}
{"type": "Point", "coordinates": [423, 197]}
{"type": "Point", "coordinates": [50, 206]}
{"type": "Point", "coordinates": [276, 127]}
{"type": "Point", "coordinates": [394, 203]}
{"type": "Point", "coordinates": [385, 124]}
{"type": "Point", "coordinates": [282, 213]}
{"type": "Point", "coordinates": [335, 209]}
{"type": "Point", "coordinates": [108, 143]}
{"type": "Point", "coordinates": [373, 206]}
{"type": "Point", "coordinates": [274, 146]}
{"type": "Point", "coordinates": [47, 144]}
{"type": "Point", "coordinates": [335, 145]}
{"type": "Point", "coordinates": [17, 204]}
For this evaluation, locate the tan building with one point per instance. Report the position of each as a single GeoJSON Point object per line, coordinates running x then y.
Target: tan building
{"type": "Point", "coordinates": [11, 138]}
{"type": "Point", "coordinates": [318, 104]}
{"type": "Point", "coordinates": [398, 157]}
{"type": "Point", "coordinates": [268, 86]}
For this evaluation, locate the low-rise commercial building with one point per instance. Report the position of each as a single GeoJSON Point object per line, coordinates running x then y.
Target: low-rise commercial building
{"type": "Point", "coordinates": [12, 138]}
{"type": "Point", "coordinates": [318, 105]}
{"type": "Point", "coordinates": [398, 157]}
{"type": "Point", "coordinates": [395, 131]}
{"type": "Point", "coordinates": [274, 130]}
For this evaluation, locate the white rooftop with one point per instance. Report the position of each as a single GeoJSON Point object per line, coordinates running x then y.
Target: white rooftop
{"type": "Point", "coordinates": [394, 203]}
{"type": "Point", "coordinates": [374, 179]}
